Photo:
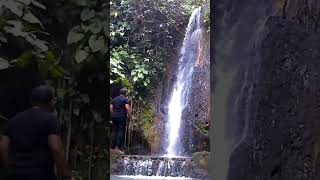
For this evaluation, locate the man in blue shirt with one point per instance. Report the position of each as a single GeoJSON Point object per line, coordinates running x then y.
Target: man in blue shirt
{"type": "Point", "coordinates": [31, 145]}
{"type": "Point", "coordinates": [120, 111]}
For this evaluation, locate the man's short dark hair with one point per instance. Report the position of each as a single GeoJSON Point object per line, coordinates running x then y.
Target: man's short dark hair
{"type": "Point", "coordinates": [123, 91]}
{"type": "Point", "coordinates": [41, 94]}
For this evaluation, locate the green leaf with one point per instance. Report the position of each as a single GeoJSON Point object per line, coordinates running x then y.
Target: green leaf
{"type": "Point", "coordinates": [39, 5]}
{"type": "Point", "coordinates": [145, 83]}
{"type": "Point", "coordinates": [140, 75]}
{"type": "Point", "coordinates": [15, 28]}
{"type": "Point", "coordinates": [50, 56]}
{"type": "Point", "coordinates": [84, 27]}
{"type": "Point", "coordinates": [39, 44]}
{"type": "Point", "coordinates": [15, 7]}
{"type": "Point", "coordinates": [75, 35]}
{"type": "Point", "coordinates": [95, 43]}
{"type": "Point", "coordinates": [95, 27]}
{"type": "Point", "coordinates": [28, 16]}
{"type": "Point", "coordinates": [56, 71]}
{"type": "Point", "coordinates": [135, 78]}
{"type": "Point", "coordinates": [81, 55]}
{"type": "Point", "coordinates": [4, 64]}
{"type": "Point", "coordinates": [87, 14]}
{"type": "Point", "coordinates": [25, 58]}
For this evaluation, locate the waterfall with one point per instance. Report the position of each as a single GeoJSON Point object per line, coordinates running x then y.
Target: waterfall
{"type": "Point", "coordinates": [239, 32]}
{"type": "Point", "coordinates": [179, 96]}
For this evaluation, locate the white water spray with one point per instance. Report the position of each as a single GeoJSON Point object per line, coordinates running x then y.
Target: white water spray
{"type": "Point", "coordinates": [179, 97]}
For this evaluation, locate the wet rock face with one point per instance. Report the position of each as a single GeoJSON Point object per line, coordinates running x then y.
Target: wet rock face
{"type": "Point", "coordinates": [195, 116]}
{"type": "Point", "coordinates": [283, 140]}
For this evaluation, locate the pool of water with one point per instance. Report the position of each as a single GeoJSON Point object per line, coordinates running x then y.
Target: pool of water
{"type": "Point", "coordinates": [113, 177]}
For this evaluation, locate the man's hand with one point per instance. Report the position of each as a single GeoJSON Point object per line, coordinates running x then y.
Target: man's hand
{"type": "Point", "coordinates": [55, 145]}
{"type": "Point", "coordinates": [111, 108]}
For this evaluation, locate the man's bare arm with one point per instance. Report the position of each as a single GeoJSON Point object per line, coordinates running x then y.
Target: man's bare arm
{"type": "Point", "coordinates": [56, 147]}
{"type": "Point", "coordinates": [111, 108]}
{"type": "Point", "coordinates": [4, 149]}
{"type": "Point", "coordinates": [128, 109]}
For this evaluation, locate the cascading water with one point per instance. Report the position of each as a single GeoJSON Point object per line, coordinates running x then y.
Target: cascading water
{"type": "Point", "coordinates": [156, 166]}
{"type": "Point", "coordinates": [179, 97]}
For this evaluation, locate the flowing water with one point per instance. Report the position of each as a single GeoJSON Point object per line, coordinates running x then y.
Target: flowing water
{"type": "Point", "coordinates": [148, 178]}
{"type": "Point", "coordinates": [155, 167]}
{"type": "Point", "coordinates": [179, 96]}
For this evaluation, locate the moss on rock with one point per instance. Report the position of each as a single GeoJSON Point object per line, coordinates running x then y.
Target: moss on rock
{"type": "Point", "coordinates": [201, 159]}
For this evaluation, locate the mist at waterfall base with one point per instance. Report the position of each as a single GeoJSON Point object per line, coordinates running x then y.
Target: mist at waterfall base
{"type": "Point", "coordinates": [179, 97]}
{"type": "Point", "coordinates": [238, 34]}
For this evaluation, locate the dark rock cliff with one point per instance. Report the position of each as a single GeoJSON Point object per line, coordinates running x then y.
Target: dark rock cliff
{"type": "Point", "coordinates": [282, 137]}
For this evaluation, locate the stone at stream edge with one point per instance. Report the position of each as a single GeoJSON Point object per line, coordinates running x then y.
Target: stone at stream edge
{"type": "Point", "coordinates": [115, 159]}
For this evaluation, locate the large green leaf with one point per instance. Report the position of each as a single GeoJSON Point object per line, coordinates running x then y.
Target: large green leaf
{"type": "Point", "coordinates": [28, 16]}
{"type": "Point", "coordinates": [4, 64]}
{"type": "Point", "coordinates": [56, 71]}
{"type": "Point", "coordinates": [15, 28]}
{"type": "Point", "coordinates": [96, 44]}
{"type": "Point", "coordinates": [39, 5]}
{"type": "Point", "coordinates": [75, 35]}
{"type": "Point", "coordinates": [39, 44]}
{"type": "Point", "coordinates": [96, 27]}
{"type": "Point", "coordinates": [14, 6]}
{"type": "Point", "coordinates": [87, 14]}
{"type": "Point", "coordinates": [81, 55]}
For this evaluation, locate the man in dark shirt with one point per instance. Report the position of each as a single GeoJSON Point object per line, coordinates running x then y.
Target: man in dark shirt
{"type": "Point", "coordinates": [120, 110]}
{"type": "Point", "coordinates": [31, 143]}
